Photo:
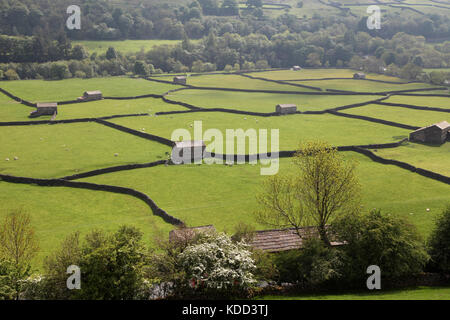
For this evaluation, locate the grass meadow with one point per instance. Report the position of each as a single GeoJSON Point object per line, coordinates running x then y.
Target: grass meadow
{"type": "Point", "coordinates": [124, 46]}
{"type": "Point", "coordinates": [419, 293]}
{"type": "Point", "coordinates": [203, 194]}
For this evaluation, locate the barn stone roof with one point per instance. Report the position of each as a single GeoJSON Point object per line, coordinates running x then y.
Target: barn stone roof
{"type": "Point", "coordinates": [443, 125]}
{"type": "Point", "coordinates": [93, 93]}
{"type": "Point", "coordinates": [46, 105]}
{"type": "Point", "coordinates": [282, 239]}
{"type": "Point", "coordinates": [287, 106]}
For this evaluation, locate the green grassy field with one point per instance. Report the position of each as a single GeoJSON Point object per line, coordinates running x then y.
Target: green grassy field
{"type": "Point", "coordinates": [57, 151]}
{"type": "Point", "coordinates": [124, 46]}
{"type": "Point", "coordinates": [225, 196]}
{"type": "Point", "coordinates": [411, 117]}
{"type": "Point", "coordinates": [436, 102]}
{"type": "Point", "coordinates": [264, 102]}
{"type": "Point", "coordinates": [71, 89]}
{"type": "Point", "coordinates": [419, 293]}
{"type": "Point", "coordinates": [201, 194]}
{"type": "Point", "coordinates": [292, 129]}
{"type": "Point", "coordinates": [432, 158]}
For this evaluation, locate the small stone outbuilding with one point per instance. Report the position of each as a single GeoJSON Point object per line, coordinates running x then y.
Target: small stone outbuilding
{"type": "Point", "coordinates": [45, 109]}
{"type": "Point", "coordinates": [91, 96]}
{"type": "Point", "coordinates": [185, 152]}
{"type": "Point", "coordinates": [437, 133]}
{"type": "Point", "coordinates": [180, 80]}
{"type": "Point", "coordinates": [359, 76]}
{"type": "Point", "coordinates": [286, 109]}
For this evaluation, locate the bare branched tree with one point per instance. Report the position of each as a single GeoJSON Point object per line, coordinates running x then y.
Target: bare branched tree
{"type": "Point", "coordinates": [322, 187]}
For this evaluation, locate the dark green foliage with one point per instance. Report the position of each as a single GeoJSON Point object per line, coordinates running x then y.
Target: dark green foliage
{"type": "Point", "coordinates": [388, 241]}
{"type": "Point", "coordinates": [311, 266]}
{"type": "Point", "coordinates": [439, 243]}
{"type": "Point", "coordinates": [112, 267]}
{"type": "Point", "coordinates": [111, 53]}
{"type": "Point", "coordinates": [141, 68]}
{"type": "Point", "coordinates": [7, 288]}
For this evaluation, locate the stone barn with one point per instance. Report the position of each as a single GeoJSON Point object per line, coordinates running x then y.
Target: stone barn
{"type": "Point", "coordinates": [359, 76]}
{"type": "Point", "coordinates": [45, 109]}
{"type": "Point", "coordinates": [437, 133]}
{"type": "Point", "coordinates": [188, 151]}
{"type": "Point", "coordinates": [296, 68]}
{"type": "Point", "coordinates": [180, 80]}
{"type": "Point", "coordinates": [184, 235]}
{"type": "Point", "coordinates": [91, 96]}
{"type": "Point", "coordinates": [284, 239]}
{"type": "Point", "coordinates": [286, 109]}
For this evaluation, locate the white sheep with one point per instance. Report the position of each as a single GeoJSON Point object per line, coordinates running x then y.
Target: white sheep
{"type": "Point", "coordinates": [16, 158]}
{"type": "Point", "coordinates": [7, 159]}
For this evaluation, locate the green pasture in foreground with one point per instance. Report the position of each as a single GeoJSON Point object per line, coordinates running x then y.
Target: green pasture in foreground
{"type": "Point", "coordinates": [419, 293]}
{"type": "Point", "coordinates": [125, 46]}
{"type": "Point", "coordinates": [338, 131]}
{"type": "Point", "coordinates": [225, 196]}
{"type": "Point", "coordinates": [434, 158]}
{"type": "Point", "coordinates": [71, 89]}
{"type": "Point", "coordinates": [264, 102]}
{"type": "Point", "coordinates": [418, 118]}
{"type": "Point", "coordinates": [54, 151]}
{"type": "Point", "coordinates": [57, 212]}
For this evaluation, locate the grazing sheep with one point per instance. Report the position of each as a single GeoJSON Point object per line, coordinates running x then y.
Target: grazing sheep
{"type": "Point", "coordinates": [16, 158]}
{"type": "Point", "coordinates": [7, 159]}
{"type": "Point", "coordinates": [116, 154]}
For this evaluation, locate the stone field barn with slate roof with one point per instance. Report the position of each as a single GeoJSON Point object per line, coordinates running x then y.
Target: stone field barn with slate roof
{"type": "Point", "coordinates": [437, 133]}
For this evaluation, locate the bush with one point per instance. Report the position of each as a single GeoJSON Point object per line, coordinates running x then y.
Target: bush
{"type": "Point", "coordinates": [388, 241]}
{"type": "Point", "coordinates": [11, 75]}
{"type": "Point", "coordinates": [7, 288]}
{"type": "Point", "coordinates": [311, 266]}
{"type": "Point", "coordinates": [204, 265]}
{"type": "Point", "coordinates": [112, 268]}
{"type": "Point", "coordinates": [218, 267]}
{"type": "Point", "coordinates": [80, 74]}
{"type": "Point", "coordinates": [439, 244]}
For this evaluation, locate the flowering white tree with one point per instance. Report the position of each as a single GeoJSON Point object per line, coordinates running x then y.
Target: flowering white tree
{"type": "Point", "coordinates": [218, 263]}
